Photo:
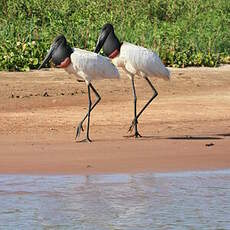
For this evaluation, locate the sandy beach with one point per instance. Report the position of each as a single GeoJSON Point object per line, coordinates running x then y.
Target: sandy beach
{"type": "Point", "coordinates": [187, 127]}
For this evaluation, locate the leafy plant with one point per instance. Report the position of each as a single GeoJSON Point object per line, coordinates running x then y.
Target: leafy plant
{"type": "Point", "coordinates": [183, 32]}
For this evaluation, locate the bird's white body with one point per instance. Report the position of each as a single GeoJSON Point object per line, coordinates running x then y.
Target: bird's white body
{"type": "Point", "coordinates": [91, 66]}
{"type": "Point", "coordinates": [137, 60]}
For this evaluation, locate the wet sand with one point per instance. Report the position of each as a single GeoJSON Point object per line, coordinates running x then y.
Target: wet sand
{"type": "Point", "coordinates": [186, 128]}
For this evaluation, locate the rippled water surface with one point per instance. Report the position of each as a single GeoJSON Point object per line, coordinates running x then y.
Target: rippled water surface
{"type": "Point", "coordinates": [191, 200]}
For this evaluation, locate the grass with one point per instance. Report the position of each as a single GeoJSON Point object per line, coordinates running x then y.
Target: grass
{"type": "Point", "coordinates": [183, 32]}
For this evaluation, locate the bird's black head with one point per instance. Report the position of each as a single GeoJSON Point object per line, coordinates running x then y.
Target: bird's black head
{"type": "Point", "coordinates": [58, 53]}
{"type": "Point", "coordinates": [107, 40]}
{"type": "Point", "coordinates": [108, 27]}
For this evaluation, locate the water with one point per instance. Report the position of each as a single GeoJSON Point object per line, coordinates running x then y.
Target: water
{"type": "Point", "coordinates": [191, 200]}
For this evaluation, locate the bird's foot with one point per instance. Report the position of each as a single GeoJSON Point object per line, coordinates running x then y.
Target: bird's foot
{"type": "Point", "coordinates": [79, 129]}
{"type": "Point", "coordinates": [88, 140]}
{"type": "Point", "coordinates": [132, 125]}
{"type": "Point", "coordinates": [136, 135]}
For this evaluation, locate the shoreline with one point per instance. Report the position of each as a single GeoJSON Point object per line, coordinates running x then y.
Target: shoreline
{"type": "Point", "coordinates": [113, 157]}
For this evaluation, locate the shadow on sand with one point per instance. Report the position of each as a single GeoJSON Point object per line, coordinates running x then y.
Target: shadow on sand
{"type": "Point", "coordinates": [185, 137]}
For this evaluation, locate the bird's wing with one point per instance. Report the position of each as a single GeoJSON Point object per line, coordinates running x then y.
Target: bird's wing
{"type": "Point", "coordinates": [144, 60]}
{"type": "Point", "coordinates": [93, 65]}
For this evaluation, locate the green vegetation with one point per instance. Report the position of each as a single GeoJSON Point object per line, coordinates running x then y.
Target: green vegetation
{"type": "Point", "coordinates": [182, 32]}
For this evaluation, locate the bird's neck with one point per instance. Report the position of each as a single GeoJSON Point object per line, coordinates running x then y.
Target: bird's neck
{"type": "Point", "coordinates": [65, 63]}
{"type": "Point", "coordinates": [112, 45]}
{"type": "Point", "coordinates": [70, 69]}
{"type": "Point", "coordinates": [114, 53]}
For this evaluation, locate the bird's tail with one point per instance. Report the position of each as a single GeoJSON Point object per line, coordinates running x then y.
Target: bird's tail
{"type": "Point", "coordinates": [163, 72]}
{"type": "Point", "coordinates": [167, 74]}
{"type": "Point", "coordinates": [159, 68]}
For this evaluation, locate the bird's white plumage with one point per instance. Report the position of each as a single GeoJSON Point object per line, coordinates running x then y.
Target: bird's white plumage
{"type": "Point", "coordinates": [90, 66]}
{"type": "Point", "coordinates": [141, 61]}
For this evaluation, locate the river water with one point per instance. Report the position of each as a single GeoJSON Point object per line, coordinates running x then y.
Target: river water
{"type": "Point", "coordinates": [183, 200]}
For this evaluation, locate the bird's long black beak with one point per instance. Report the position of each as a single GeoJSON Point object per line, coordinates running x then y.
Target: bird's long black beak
{"type": "Point", "coordinates": [99, 44]}
{"type": "Point", "coordinates": [101, 40]}
{"type": "Point", "coordinates": [48, 57]}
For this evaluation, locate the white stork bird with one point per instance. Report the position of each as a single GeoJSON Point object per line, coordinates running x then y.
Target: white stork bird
{"type": "Point", "coordinates": [85, 64]}
{"type": "Point", "coordinates": [135, 60]}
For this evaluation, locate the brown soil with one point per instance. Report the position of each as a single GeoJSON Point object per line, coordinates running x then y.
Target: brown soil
{"type": "Point", "coordinates": [187, 126]}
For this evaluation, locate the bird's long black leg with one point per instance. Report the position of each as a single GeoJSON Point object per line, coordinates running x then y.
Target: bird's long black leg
{"type": "Point", "coordinates": [80, 128]}
{"type": "Point", "coordinates": [89, 110]}
{"type": "Point", "coordinates": [146, 105]}
{"type": "Point", "coordinates": [135, 109]}
{"type": "Point", "coordinates": [97, 95]}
